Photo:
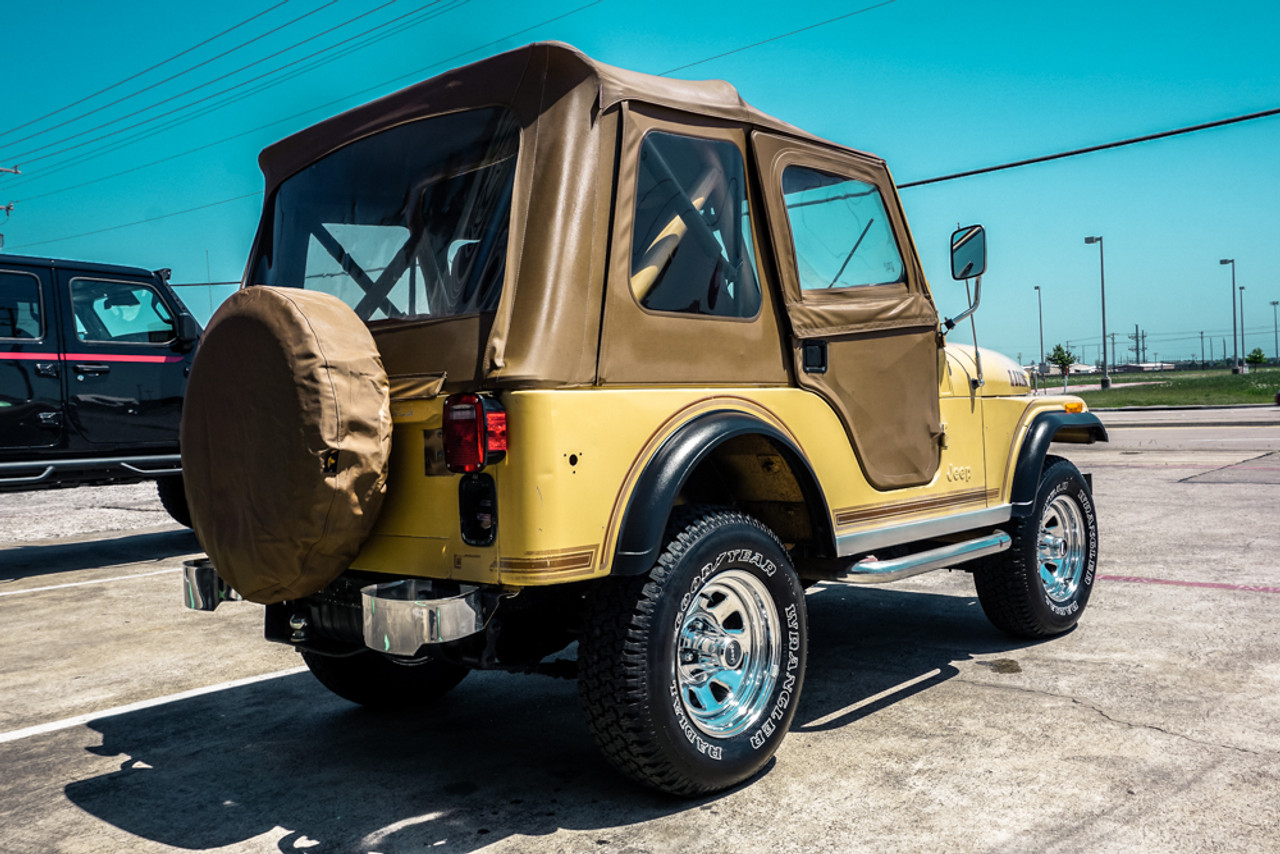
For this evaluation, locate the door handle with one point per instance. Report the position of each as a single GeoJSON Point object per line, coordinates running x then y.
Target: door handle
{"type": "Point", "coordinates": [91, 368]}
{"type": "Point", "coordinates": [46, 369]}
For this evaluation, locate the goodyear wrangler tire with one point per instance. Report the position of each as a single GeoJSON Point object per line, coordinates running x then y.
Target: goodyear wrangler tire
{"type": "Point", "coordinates": [286, 432]}
{"type": "Point", "coordinates": [1039, 587]}
{"type": "Point", "coordinates": [690, 675]}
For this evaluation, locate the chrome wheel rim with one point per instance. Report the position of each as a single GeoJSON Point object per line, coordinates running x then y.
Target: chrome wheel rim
{"type": "Point", "coordinates": [728, 654]}
{"type": "Point", "coordinates": [1061, 549]}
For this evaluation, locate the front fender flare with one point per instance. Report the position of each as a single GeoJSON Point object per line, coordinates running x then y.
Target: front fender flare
{"type": "Point", "coordinates": [1076, 427]}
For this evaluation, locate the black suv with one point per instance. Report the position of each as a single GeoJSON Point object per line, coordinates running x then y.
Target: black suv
{"type": "Point", "coordinates": [94, 361]}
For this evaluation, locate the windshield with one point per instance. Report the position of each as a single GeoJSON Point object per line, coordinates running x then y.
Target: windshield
{"type": "Point", "coordinates": [408, 223]}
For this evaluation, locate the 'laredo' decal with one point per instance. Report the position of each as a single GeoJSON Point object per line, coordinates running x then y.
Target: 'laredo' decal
{"type": "Point", "coordinates": [87, 357]}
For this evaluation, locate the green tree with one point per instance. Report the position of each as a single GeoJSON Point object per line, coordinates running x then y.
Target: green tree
{"type": "Point", "coordinates": [1064, 359]}
{"type": "Point", "coordinates": [1257, 357]}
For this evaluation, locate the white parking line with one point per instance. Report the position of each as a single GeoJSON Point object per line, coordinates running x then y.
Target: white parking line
{"type": "Point", "coordinates": [84, 583]}
{"type": "Point", "coordinates": [80, 720]}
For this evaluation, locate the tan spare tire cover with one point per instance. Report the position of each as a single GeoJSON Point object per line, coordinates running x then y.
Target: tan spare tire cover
{"type": "Point", "coordinates": [286, 431]}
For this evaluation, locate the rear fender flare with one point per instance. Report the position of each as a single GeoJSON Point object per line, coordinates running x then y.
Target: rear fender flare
{"type": "Point", "coordinates": [644, 523]}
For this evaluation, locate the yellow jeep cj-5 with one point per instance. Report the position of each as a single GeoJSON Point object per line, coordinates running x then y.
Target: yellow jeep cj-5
{"type": "Point", "coordinates": [542, 352]}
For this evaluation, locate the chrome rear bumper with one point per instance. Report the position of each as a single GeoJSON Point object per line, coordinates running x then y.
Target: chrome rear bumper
{"type": "Point", "coordinates": [400, 617]}
{"type": "Point", "coordinates": [202, 588]}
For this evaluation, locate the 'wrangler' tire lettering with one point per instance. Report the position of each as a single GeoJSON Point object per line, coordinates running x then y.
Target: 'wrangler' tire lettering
{"type": "Point", "coordinates": [690, 675]}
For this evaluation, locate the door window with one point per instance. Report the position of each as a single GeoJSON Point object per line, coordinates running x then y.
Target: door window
{"type": "Point", "coordinates": [120, 312]}
{"type": "Point", "coordinates": [840, 231]}
{"type": "Point", "coordinates": [20, 311]}
{"type": "Point", "coordinates": [691, 249]}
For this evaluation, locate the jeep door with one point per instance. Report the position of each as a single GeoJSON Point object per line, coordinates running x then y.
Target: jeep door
{"type": "Point", "coordinates": [864, 327]}
{"type": "Point", "coordinates": [686, 304]}
{"type": "Point", "coordinates": [30, 381]}
{"type": "Point", "coordinates": [125, 375]}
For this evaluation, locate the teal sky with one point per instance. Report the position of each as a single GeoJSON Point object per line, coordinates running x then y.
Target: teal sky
{"type": "Point", "coordinates": [933, 87]}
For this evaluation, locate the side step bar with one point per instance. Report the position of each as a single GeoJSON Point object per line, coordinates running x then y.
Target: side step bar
{"type": "Point", "coordinates": [872, 571]}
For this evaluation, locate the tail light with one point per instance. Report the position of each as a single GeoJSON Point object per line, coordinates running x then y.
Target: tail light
{"type": "Point", "coordinates": [475, 432]}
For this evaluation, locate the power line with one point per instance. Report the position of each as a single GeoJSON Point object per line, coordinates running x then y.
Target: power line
{"type": "Point", "coordinates": [142, 221]}
{"type": "Point", "coordinates": [120, 83]}
{"type": "Point", "coordinates": [777, 38]}
{"type": "Point", "coordinates": [28, 159]}
{"type": "Point", "coordinates": [1076, 152]}
{"type": "Point", "coordinates": [151, 132]}
{"type": "Point", "coordinates": [450, 59]}
{"type": "Point", "coordinates": [346, 98]}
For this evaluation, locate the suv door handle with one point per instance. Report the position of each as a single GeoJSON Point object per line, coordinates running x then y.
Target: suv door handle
{"type": "Point", "coordinates": [46, 369]}
{"type": "Point", "coordinates": [91, 369]}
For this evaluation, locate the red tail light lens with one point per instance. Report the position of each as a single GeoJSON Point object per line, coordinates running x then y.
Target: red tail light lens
{"type": "Point", "coordinates": [475, 432]}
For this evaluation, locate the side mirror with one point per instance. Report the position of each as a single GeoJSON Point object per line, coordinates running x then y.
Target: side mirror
{"type": "Point", "coordinates": [189, 331]}
{"type": "Point", "coordinates": [968, 252]}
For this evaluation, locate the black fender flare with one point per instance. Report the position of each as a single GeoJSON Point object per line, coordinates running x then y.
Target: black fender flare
{"type": "Point", "coordinates": [1082, 428]}
{"type": "Point", "coordinates": [644, 522]}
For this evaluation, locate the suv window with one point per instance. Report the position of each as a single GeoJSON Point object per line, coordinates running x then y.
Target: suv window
{"type": "Point", "coordinates": [691, 249]}
{"type": "Point", "coordinates": [120, 312]}
{"type": "Point", "coordinates": [20, 314]}
{"type": "Point", "coordinates": [840, 231]}
{"type": "Point", "coordinates": [410, 222]}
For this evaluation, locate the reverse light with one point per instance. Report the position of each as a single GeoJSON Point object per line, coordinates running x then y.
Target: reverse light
{"type": "Point", "coordinates": [475, 432]}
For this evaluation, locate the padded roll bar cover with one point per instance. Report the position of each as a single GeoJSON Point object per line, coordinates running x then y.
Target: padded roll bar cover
{"type": "Point", "coordinates": [286, 433]}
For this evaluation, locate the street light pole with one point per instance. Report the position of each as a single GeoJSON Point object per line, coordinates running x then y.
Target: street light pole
{"type": "Point", "coordinates": [1235, 358]}
{"type": "Point", "coordinates": [1040, 313]}
{"type": "Point", "coordinates": [1244, 351]}
{"type": "Point", "coordinates": [1275, 329]}
{"type": "Point", "coordinates": [1102, 274]}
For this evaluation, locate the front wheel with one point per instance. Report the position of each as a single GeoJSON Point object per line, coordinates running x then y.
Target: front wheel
{"type": "Point", "coordinates": [690, 675]}
{"type": "Point", "coordinates": [1040, 586]}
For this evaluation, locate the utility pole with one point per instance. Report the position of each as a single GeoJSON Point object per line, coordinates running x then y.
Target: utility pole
{"type": "Point", "coordinates": [8, 209]}
{"type": "Point", "coordinates": [1137, 353]}
{"type": "Point", "coordinates": [1144, 345]}
{"type": "Point", "coordinates": [1202, 349]}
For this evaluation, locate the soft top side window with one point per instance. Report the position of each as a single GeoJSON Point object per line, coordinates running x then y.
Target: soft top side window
{"type": "Point", "coordinates": [691, 248]}
{"type": "Point", "coordinates": [840, 231]}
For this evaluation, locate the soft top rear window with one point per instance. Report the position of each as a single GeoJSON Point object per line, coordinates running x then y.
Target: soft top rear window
{"type": "Point", "coordinates": [408, 223]}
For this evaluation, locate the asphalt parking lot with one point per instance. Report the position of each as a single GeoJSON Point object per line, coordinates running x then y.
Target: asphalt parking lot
{"type": "Point", "coordinates": [129, 724]}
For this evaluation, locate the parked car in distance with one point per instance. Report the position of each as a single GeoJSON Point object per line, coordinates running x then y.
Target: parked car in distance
{"type": "Point", "coordinates": [94, 360]}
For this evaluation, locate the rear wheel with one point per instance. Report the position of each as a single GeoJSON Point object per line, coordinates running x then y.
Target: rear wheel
{"type": "Point", "coordinates": [690, 675]}
{"type": "Point", "coordinates": [1039, 587]}
{"type": "Point", "coordinates": [173, 497]}
{"type": "Point", "coordinates": [378, 682]}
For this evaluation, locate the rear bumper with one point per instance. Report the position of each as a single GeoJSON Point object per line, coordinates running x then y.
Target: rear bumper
{"type": "Point", "coordinates": [397, 617]}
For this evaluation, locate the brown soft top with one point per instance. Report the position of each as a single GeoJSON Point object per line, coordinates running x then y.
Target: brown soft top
{"type": "Point", "coordinates": [519, 79]}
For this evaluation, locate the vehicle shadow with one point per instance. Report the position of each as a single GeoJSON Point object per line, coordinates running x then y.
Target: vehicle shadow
{"type": "Point", "coordinates": [871, 647]}
{"type": "Point", "coordinates": [47, 559]}
{"type": "Point", "coordinates": [502, 756]}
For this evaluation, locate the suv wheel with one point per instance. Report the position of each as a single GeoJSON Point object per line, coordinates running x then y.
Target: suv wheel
{"type": "Point", "coordinates": [173, 497]}
{"type": "Point", "coordinates": [1040, 586]}
{"type": "Point", "coordinates": [690, 675]}
{"type": "Point", "coordinates": [378, 682]}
